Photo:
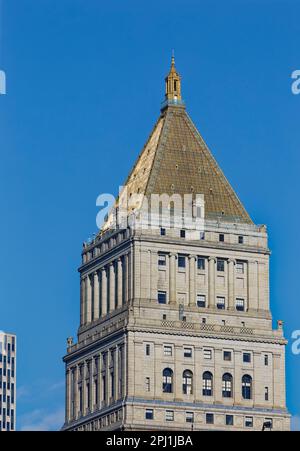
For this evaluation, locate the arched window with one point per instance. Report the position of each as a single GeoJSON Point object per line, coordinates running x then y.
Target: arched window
{"type": "Point", "coordinates": [247, 386]}
{"type": "Point", "coordinates": [167, 384]}
{"type": "Point", "coordinates": [187, 382]}
{"type": "Point", "coordinates": [207, 384]}
{"type": "Point", "coordinates": [227, 385]}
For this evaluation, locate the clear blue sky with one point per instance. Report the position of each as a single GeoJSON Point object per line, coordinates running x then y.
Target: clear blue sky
{"type": "Point", "coordinates": [84, 86]}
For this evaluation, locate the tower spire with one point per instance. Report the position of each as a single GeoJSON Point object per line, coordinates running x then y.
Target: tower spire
{"type": "Point", "coordinates": [173, 84]}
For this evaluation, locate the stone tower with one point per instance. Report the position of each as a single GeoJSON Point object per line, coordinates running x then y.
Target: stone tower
{"type": "Point", "coordinates": [175, 325]}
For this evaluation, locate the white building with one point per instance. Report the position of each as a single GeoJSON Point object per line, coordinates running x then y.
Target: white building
{"type": "Point", "coordinates": [175, 324]}
{"type": "Point", "coordinates": [8, 361]}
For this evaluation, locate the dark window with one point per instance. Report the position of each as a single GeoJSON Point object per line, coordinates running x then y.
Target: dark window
{"type": "Point", "coordinates": [248, 422]}
{"type": "Point", "coordinates": [246, 357]}
{"type": "Point", "coordinates": [202, 235]}
{"type": "Point", "coordinates": [201, 301]}
{"type": "Point", "coordinates": [167, 384]}
{"type": "Point", "coordinates": [207, 384]}
{"type": "Point", "coordinates": [149, 414]}
{"type": "Point", "coordinates": [188, 352]}
{"type": "Point", "coordinates": [266, 393]}
{"type": "Point", "coordinates": [201, 263]}
{"type": "Point", "coordinates": [187, 382]}
{"type": "Point", "coordinates": [227, 355]}
{"type": "Point", "coordinates": [266, 358]}
{"type": "Point", "coordinates": [182, 233]}
{"type": "Point", "coordinates": [162, 297]}
{"type": "Point", "coordinates": [148, 349]}
{"type": "Point", "coordinates": [221, 237]}
{"type": "Point", "coordinates": [220, 303]}
{"type": "Point", "coordinates": [240, 305]}
{"type": "Point", "coordinates": [162, 231]}
{"type": "Point", "coordinates": [247, 386]}
{"type": "Point", "coordinates": [161, 260]}
{"type": "Point", "coordinates": [181, 261]}
{"type": "Point", "coordinates": [241, 239]}
{"type": "Point", "coordinates": [229, 420]}
{"type": "Point", "coordinates": [189, 417]}
{"type": "Point", "coordinates": [209, 418]}
{"type": "Point", "coordinates": [220, 265]}
{"type": "Point", "coordinates": [227, 385]}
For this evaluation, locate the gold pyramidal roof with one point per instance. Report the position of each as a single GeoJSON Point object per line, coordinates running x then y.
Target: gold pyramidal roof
{"type": "Point", "coordinates": [176, 159]}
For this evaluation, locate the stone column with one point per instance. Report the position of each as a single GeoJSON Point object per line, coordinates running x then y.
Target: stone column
{"type": "Point", "coordinates": [75, 393]}
{"type": "Point", "coordinates": [82, 302]}
{"type": "Point", "coordinates": [126, 280]}
{"type": "Point", "coordinates": [153, 275]}
{"type": "Point", "coordinates": [83, 389]}
{"type": "Point", "coordinates": [172, 278]}
{"type": "Point", "coordinates": [88, 300]}
{"type": "Point", "coordinates": [96, 295]}
{"type": "Point", "coordinates": [103, 291]}
{"type": "Point", "coordinates": [252, 284]}
{"type": "Point", "coordinates": [231, 284]}
{"type": "Point", "coordinates": [116, 371]}
{"type": "Point", "coordinates": [111, 286]}
{"type": "Point", "coordinates": [192, 280]}
{"type": "Point", "coordinates": [212, 281]}
{"type": "Point", "coordinates": [68, 394]}
{"type": "Point", "coordinates": [120, 282]}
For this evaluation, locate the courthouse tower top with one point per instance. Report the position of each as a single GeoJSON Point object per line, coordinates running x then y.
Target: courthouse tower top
{"type": "Point", "coordinates": [173, 84]}
{"type": "Point", "coordinates": [176, 160]}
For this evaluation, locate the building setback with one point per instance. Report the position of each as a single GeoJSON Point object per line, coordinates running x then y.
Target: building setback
{"type": "Point", "coordinates": [175, 324]}
{"type": "Point", "coordinates": [8, 361]}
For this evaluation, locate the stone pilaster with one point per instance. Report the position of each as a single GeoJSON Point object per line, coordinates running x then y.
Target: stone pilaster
{"type": "Point", "coordinates": [111, 286]}
{"type": "Point", "coordinates": [96, 295]}
{"type": "Point", "coordinates": [172, 278]}
{"type": "Point", "coordinates": [120, 283]}
{"type": "Point", "coordinates": [231, 284]}
{"type": "Point", "coordinates": [211, 282]}
{"type": "Point", "coordinates": [103, 291]}
{"type": "Point", "coordinates": [192, 279]}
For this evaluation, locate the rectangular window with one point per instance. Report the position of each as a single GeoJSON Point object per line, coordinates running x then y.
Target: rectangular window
{"type": "Point", "coordinates": [207, 354]}
{"type": "Point", "coordinates": [182, 233]}
{"type": "Point", "coordinates": [241, 239]}
{"type": "Point", "coordinates": [240, 305]}
{"type": "Point", "coordinates": [239, 267]}
{"type": "Point", "coordinates": [168, 351]}
{"type": "Point", "coordinates": [147, 383]}
{"type": "Point", "coordinates": [147, 349]}
{"type": "Point", "coordinates": [161, 260]}
{"type": "Point", "coordinates": [266, 359]}
{"type": "Point", "coordinates": [189, 417]}
{"type": "Point", "coordinates": [227, 356]}
{"type": "Point", "coordinates": [221, 238]}
{"type": "Point", "coordinates": [201, 263]}
{"type": "Point", "coordinates": [220, 303]}
{"type": "Point", "coordinates": [202, 235]}
{"type": "Point", "coordinates": [162, 297]}
{"type": "Point", "coordinates": [246, 357]}
{"type": "Point", "coordinates": [220, 265]}
{"type": "Point", "coordinates": [209, 418]}
{"type": "Point", "coordinates": [162, 231]}
{"type": "Point", "coordinates": [188, 352]}
{"type": "Point", "coordinates": [169, 415]}
{"type": "Point", "coordinates": [181, 261]}
{"type": "Point", "coordinates": [229, 420]}
{"type": "Point", "coordinates": [201, 300]}
{"type": "Point", "coordinates": [268, 423]}
{"type": "Point", "coordinates": [248, 422]}
{"type": "Point", "coordinates": [266, 393]}
{"type": "Point", "coordinates": [149, 415]}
